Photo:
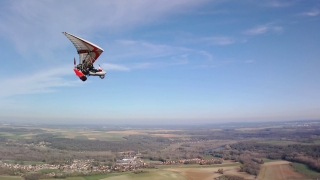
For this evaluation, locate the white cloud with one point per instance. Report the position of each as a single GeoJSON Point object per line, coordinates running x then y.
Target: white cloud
{"type": "Point", "coordinates": [314, 12]}
{"type": "Point", "coordinates": [262, 29]}
{"type": "Point", "coordinates": [41, 82]}
{"type": "Point", "coordinates": [257, 30]}
{"type": "Point", "coordinates": [277, 28]}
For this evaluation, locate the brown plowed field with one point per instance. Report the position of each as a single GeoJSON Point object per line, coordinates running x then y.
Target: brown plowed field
{"type": "Point", "coordinates": [279, 170]}
{"type": "Point", "coordinates": [209, 173]}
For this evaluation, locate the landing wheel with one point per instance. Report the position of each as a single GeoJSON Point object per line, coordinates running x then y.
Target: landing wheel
{"type": "Point", "coordinates": [102, 76]}
{"type": "Point", "coordinates": [83, 78]}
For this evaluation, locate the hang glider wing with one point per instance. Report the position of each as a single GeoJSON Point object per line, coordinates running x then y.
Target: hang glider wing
{"type": "Point", "coordinates": [88, 52]}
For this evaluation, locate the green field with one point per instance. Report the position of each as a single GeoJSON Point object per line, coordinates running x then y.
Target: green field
{"type": "Point", "coordinates": [316, 142]}
{"type": "Point", "coordinates": [196, 166]}
{"type": "Point", "coordinates": [152, 174]}
{"type": "Point", "coordinates": [256, 128]}
{"type": "Point", "coordinates": [14, 134]}
{"type": "Point", "coordinates": [102, 176]}
{"type": "Point", "coordinates": [93, 177]}
{"type": "Point", "coordinates": [150, 161]}
{"type": "Point", "coordinates": [208, 157]}
{"type": "Point", "coordinates": [87, 134]}
{"type": "Point", "coordinates": [10, 178]}
{"type": "Point", "coordinates": [114, 135]}
{"type": "Point", "coordinates": [265, 160]}
{"type": "Point", "coordinates": [22, 162]}
{"type": "Point", "coordinates": [302, 168]}
{"type": "Point", "coordinates": [63, 133]}
{"type": "Point", "coordinates": [283, 142]}
{"type": "Point", "coordinates": [286, 142]}
{"type": "Point", "coordinates": [278, 142]}
{"type": "Point", "coordinates": [49, 170]}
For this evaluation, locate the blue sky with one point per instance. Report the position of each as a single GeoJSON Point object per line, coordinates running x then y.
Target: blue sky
{"type": "Point", "coordinates": [182, 61]}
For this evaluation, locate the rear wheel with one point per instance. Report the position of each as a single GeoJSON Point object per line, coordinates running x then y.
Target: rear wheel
{"type": "Point", "coordinates": [83, 78]}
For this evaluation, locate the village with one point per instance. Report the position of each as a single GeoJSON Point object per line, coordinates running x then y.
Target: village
{"type": "Point", "coordinates": [129, 162]}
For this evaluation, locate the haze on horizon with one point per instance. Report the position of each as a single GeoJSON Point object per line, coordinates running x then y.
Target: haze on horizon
{"type": "Point", "coordinates": [186, 61]}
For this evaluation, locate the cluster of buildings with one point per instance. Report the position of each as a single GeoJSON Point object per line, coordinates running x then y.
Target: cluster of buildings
{"type": "Point", "coordinates": [128, 163]}
{"type": "Point", "coordinates": [30, 168]}
{"type": "Point", "coordinates": [80, 165]}
{"type": "Point", "coordinates": [131, 161]}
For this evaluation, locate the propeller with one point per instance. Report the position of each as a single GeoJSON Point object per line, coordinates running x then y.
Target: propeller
{"type": "Point", "coordinates": [74, 62]}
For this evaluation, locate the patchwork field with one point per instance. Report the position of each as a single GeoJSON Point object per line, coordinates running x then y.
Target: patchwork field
{"type": "Point", "coordinates": [88, 134]}
{"type": "Point", "coordinates": [280, 170]}
{"type": "Point", "coordinates": [114, 135]}
{"type": "Point", "coordinates": [17, 135]}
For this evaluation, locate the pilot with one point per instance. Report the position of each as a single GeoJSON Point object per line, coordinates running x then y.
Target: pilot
{"type": "Point", "coordinates": [92, 69]}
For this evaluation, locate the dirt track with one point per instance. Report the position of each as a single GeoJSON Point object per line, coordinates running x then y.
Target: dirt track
{"type": "Point", "coordinates": [279, 170]}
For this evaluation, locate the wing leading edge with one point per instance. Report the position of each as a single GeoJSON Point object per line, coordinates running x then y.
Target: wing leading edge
{"type": "Point", "coordinates": [88, 52]}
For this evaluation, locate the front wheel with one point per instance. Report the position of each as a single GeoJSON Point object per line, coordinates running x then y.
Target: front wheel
{"type": "Point", "coordinates": [102, 76]}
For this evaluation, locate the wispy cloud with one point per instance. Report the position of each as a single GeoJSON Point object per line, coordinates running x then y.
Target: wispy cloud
{"type": "Point", "coordinates": [220, 40]}
{"type": "Point", "coordinates": [280, 3]}
{"type": "Point", "coordinates": [47, 81]}
{"type": "Point", "coordinates": [145, 65]}
{"type": "Point", "coordinates": [114, 67]}
{"type": "Point", "coordinates": [134, 54]}
{"type": "Point", "coordinates": [41, 82]}
{"type": "Point", "coordinates": [257, 30]}
{"type": "Point", "coordinates": [37, 24]}
{"type": "Point", "coordinates": [249, 61]}
{"type": "Point", "coordinates": [314, 12]}
{"type": "Point", "coordinates": [262, 29]}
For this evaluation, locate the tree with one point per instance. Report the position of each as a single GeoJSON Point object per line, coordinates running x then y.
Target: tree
{"type": "Point", "coordinates": [220, 171]}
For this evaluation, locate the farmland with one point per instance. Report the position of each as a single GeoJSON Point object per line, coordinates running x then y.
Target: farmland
{"type": "Point", "coordinates": [262, 152]}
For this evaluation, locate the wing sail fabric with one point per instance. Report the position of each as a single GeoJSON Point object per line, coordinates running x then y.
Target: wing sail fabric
{"type": "Point", "coordinates": [88, 52]}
